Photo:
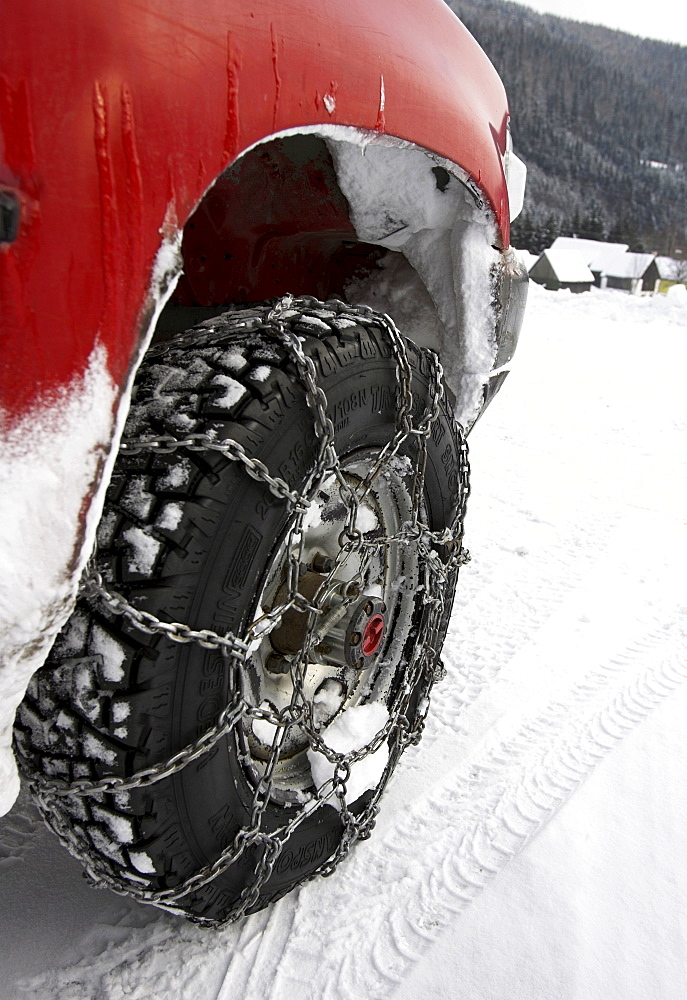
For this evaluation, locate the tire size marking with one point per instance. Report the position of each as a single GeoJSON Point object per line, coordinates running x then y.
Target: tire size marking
{"type": "Point", "coordinates": [356, 401]}
{"type": "Point", "coordinates": [295, 466]}
{"type": "Point", "coordinates": [447, 458]}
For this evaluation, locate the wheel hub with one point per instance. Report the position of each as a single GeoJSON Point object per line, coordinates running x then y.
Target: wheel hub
{"type": "Point", "coordinates": [372, 636]}
{"type": "Point", "coordinates": [355, 641]}
{"type": "Point", "coordinates": [347, 616]}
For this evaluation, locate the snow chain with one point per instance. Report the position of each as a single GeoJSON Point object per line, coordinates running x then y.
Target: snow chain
{"type": "Point", "coordinates": [422, 670]}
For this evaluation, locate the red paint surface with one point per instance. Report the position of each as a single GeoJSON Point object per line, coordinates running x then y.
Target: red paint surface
{"type": "Point", "coordinates": [372, 636]}
{"type": "Point", "coordinates": [111, 112]}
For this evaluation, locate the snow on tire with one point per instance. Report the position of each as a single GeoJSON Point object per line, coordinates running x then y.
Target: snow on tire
{"type": "Point", "coordinates": [196, 536]}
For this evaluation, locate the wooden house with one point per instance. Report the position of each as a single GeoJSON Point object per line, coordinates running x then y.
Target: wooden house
{"type": "Point", "coordinates": [663, 273]}
{"type": "Point", "coordinates": [556, 269]}
{"type": "Point", "coordinates": [595, 253]}
{"type": "Point", "coordinates": [626, 272]}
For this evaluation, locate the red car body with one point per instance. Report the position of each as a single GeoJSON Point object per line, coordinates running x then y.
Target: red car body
{"type": "Point", "coordinates": [116, 122]}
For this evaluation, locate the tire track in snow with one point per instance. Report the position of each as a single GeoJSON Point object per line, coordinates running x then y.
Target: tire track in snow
{"type": "Point", "coordinates": [470, 827]}
{"type": "Point", "coordinates": [501, 607]}
{"type": "Point", "coordinates": [263, 954]}
{"type": "Point", "coordinates": [16, 837]}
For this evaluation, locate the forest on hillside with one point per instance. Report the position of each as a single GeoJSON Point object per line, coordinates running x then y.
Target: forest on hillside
{"type": "Point", "coordinates": [599, 117]}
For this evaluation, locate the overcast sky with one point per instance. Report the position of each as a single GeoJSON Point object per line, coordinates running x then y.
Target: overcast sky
{"type": "Point", "coordinates": [664, 19]}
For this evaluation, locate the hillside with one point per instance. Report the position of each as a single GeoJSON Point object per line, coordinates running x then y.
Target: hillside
{"type": "Point", "coordinates": [599, 117]}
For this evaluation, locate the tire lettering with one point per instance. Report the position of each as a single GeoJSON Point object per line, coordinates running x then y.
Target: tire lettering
{"type": "Point", "coordinates": [292, 468]}
{"type": "Point", "coordinates": [213, 665]}
{"type": "Point", "coordinates": [222, 825]}
{"type": "Point", "coordinates": [226, 612]}
{"type": "Point", "coordinates": [240, 567]}
{"type": "Point", "coordinates": [383, 398]}
{"type": "Point", "coordinates": [209, 710]}
{"type": "Point", "coordinates": [210, 685]}
{"type": "Point", "coordinates": [438, 431]}
{"type": "Point", "coordinates": [307, 854]}
{"type": "Point", "coordinates": [263, 508]}
{"type": "Point", "coordinates": [357, 400]}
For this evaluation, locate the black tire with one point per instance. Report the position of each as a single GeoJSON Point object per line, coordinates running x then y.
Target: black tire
{"type": "Point", "coordinates": [189, 536]}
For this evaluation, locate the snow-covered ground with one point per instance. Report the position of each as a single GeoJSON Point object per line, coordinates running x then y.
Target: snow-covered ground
{"type": "Point", "coordinates": [535, 844]}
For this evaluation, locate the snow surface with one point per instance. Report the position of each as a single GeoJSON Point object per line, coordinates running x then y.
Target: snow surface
{"type": "Point", "coordinates": [397, 202]}
{"type": "Point", "coordinates": [233, 359]}
{"type": "Point", "coordinates": [534, 846]}
{"type": "Point", "coordinates": [170, 516]}
{"type": "Point", "coordinates": [233, 391]}
{"type": "Point", "coordinates": [111, 651]}
{"type": "Point", "coordinates": [527, 259]}
{"type": "Point", "coordinates": [143, 549]}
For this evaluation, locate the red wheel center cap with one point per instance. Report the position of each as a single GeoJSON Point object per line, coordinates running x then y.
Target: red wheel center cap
{"type": "Point", "coordinates": [372, 636]}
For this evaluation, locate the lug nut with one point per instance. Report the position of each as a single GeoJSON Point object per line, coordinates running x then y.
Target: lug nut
{"type": "Point", "coordinates": [277, 664]}
{"type": "Point", "coordinates": [369, 608]}
{"type": "Point", "coordinates": [354, 638]}
{"type": "Point", "coordinates": [322, 563]}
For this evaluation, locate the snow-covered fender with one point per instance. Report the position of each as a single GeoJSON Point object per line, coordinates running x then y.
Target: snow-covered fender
{"type": "Point", "coordinates": [115, 120]}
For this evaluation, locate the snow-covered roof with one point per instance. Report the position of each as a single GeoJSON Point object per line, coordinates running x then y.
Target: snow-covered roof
{"type": "Point", "coordinates": [606, 255]}
{"type": "Point", "coordinates": [667, 268]}
{"type": "Point", "coordinates": [568, 266]}
{"type": "Point", "coordinates": [627, 265]}
{"type": "Point", "coordinates": [594, 252]}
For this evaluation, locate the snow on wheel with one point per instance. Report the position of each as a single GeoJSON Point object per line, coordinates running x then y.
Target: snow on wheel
{"type": "Point", "coordinates": [259, 634]}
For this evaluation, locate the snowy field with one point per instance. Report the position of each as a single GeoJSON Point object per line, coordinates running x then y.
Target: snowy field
{"type": "Point", "coordinates": [534, 846]}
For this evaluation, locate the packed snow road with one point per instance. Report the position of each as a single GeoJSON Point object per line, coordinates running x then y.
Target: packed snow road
{"type": "Point", "coordinates": [565, 661]}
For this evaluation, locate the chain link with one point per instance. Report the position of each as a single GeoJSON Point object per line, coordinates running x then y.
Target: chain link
{"type": "Point", "coordinates": [165, 444]}
{"type": "Point", "coordinates": [442, 554]}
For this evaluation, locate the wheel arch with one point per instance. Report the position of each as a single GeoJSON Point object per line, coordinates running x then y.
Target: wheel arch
{"type": "Point", "coordinates": [368, 217]}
